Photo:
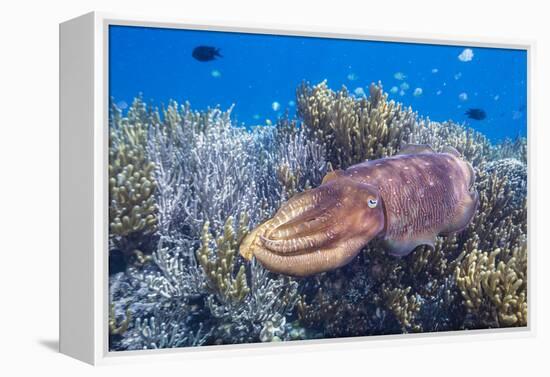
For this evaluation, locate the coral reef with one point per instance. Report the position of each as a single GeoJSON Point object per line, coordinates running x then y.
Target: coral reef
{"type": "Point", "coordinates": [131, 182]}
{"type": "Point", "coordinates": [164, 329]}
{"type": "Point", "coordinates": [492, 271]}
{"type": "Point", "coordinates": [353, 130]}
{"type": "Point", "coordinates": [132, 207]}
{"type": "Point", "coordinates": [186, 186]}
{"type": "Point", "coordinates": [471, 144]}
{"type": "Point", "coordinates": [206, 172]}
{"type": "Point", "coordinates": [495, 291]}
{"type": "Point", "coordinates": [403, 305]}
{"type": "Point", "coordinates": [516, 174]}
{"type": "Point", "coordinates": [511, 148]}
{"type": "Point", "coordinates": [218, 266]}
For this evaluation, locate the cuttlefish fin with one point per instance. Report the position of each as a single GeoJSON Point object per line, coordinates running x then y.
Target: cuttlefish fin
{"type": "Point", "coordinates": [402, 247]}
{"type": "Point", "coordinates": [472, 174]}
{"type": "Point", "coordinates": [450, 150]}
{"type": "Point", "coordinates": [331, 175]}
{"type": "Point", "coordinates": [415, 149]}
{"type": "Point", "coordinates": [464, 214]}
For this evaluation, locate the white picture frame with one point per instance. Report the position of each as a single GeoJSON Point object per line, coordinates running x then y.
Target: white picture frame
{"type": "Point", "coordinates": [84, 190]}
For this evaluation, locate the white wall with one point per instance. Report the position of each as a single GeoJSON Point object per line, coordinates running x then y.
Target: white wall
{"type": "Point", "coordinates": [29, 183]}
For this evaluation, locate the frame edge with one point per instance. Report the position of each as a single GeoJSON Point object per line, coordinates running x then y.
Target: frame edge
{"type": "Point", "coordinates": [76, 189]}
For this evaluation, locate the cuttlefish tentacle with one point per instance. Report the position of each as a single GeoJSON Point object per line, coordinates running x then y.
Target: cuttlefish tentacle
{"type": "Point", "coordinates": [315, 222]}
{"type": "Point", "coordinates": [295, 208]}
{"type": "Point", "coordinates": [405, 200]}
{"type": "Point", "coordinates": [291, 245]}
{"type": "Point", "coordinates": [312, 262]}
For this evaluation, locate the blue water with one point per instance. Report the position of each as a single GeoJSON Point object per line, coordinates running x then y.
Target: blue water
{"type": "Point", "coordinates": [260, 73]}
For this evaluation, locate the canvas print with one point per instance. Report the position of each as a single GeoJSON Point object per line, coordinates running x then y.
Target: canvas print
{"type": "Point", "coordinates": [273, 188]}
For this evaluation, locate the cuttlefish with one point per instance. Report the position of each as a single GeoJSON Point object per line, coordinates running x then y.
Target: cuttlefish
{"type": "Point", "coordinates": [404, 201]}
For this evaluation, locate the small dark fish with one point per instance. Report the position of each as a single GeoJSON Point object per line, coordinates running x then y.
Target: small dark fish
{"type": "Point", "coordinates": [477, 114]}
{"type": "Point", "coordinates": [206, 53]}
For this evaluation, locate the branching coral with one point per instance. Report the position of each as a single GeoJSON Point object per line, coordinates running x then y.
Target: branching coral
{"type": "Point", "coordinates": [219, 265]}
{"type": "Point", "coordinates": [357, 129]}
{"type": "Point", "coordinates": [165, 329]}
{"type": "Point", "coordinates": [353, 130]}
{"type": "Point", "coordinates": [207, 172]}
{"type": "Point", "coordinates": [472, 145]}
{"type": "Point", "coordinates": [131, 182]}
{"type": "Point", "coordinates": [511, 148]}
{"type": "Point", "coordinates": [516, 176]}
{"type": "Point", "coordinates": [269, 299]}
{"type": "Point", "coordinates": [208, 169]}
{"type": "Point", "coordinates": [346, 302]}
{"type": "Point", "coordinates": [501, 219]}
{"type": "Point", "coordinates": [121, 327]}
{"type": "Point", "coordinates": [403, 305]}
{"type": "Point", "coordinates": [492, 270]}
{"type": "Point", "coordinates": [293, 171]}
{"type": "Point", "coordinates": [495, 290]}
{"type": "Point", "coordinates": [177, 276]}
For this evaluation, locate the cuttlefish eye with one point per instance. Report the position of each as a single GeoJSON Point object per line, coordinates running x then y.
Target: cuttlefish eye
{"type": "Point", "coordinates": [372, 203]}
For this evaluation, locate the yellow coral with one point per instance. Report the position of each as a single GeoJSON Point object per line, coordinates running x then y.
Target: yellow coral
{"type": "Point", "coordinates": [118, 328]}
{"type": "Point", "coordinates": [491, 272]}
{"type": "Point", "coordinates": [354, 130]}
{"type": "Point", "coordinates": [288, 179]}
{"type": "Point", "coordinates": [403, 305]}
{"type": "Point", "coordinates": [495, 287]}
{"type": "Point", "coordinates": [132, 205]}
{"type": "Point", "coordinates": [472, 145]}
{"type": "Point", "coordinates": [219, 263]}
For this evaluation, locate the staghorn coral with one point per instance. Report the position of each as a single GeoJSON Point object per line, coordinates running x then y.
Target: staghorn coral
{"type": "Point", "coordinates": [511, 148]}
{"type": "Point", "coordinates": [177, 275]}
{"type": "Point", "coordinates": [516, 175]}
{"type": "Point", "coordinates": [208, 170]}
{"type": "Point", "coordinates": [132, 207]}
{"type": "Point", "coordinates": [237, 311]}
{"type": "Point", "coordinates": [164, 329]}
{"type": "Point", "coordinates": [492, 269]}
{"type": "Point", "coordinates": [495, 290]}
{"type": "Point", "coordinates": [219, 266]}
{"type": "Point", "coordinates": [296, 173]}
{"type": "Point", "coordinates": [380, 294]}
{"type": "Point", "coordinates": [403, 306]}
{"type": "Point", "coordinates": [353, 130]}
{"type": "Point", "coordinates": [471, 144]}
{"type": "Point", "coordinates": [268, 301]}
{"type": "Point", "coordinates": [501, 219]}
{"type": "Point", "coordinates": [131, 183]}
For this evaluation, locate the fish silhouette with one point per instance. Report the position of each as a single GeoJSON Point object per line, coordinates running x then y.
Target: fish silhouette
{"type": "Point", "coordinates": [476, 114]}
{"type": "Point", "coordinates": [206, 53]}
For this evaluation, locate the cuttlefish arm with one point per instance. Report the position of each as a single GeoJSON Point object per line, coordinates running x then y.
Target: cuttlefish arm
{"type": "Point", "coordinates": [318, 230]}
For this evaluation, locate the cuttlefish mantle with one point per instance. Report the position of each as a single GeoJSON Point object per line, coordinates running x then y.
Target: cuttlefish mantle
{"type": "Point", "coordinates": [405, 201]}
